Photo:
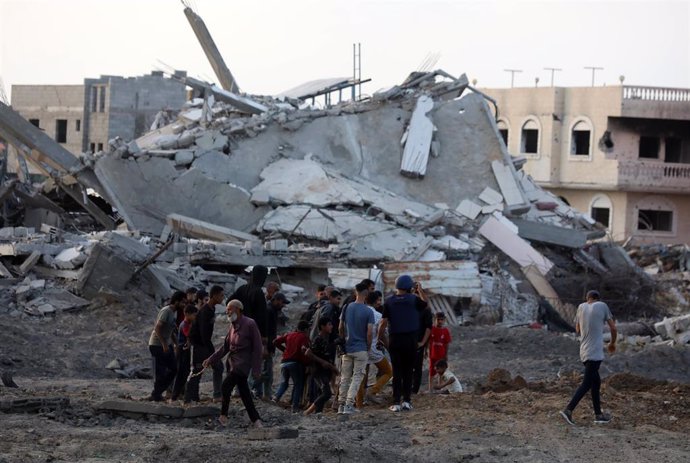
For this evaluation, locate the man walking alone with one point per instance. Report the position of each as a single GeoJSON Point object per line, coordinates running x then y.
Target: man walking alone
{"type": "Point", "coordinates": [589, 323]}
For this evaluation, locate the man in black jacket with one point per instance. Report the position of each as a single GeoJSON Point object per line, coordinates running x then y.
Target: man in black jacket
{"type": "Point", "coordinates": [200, 337]}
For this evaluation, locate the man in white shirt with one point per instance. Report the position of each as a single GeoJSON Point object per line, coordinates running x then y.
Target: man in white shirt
{"type": "Point", "coordinates": [589, 324]}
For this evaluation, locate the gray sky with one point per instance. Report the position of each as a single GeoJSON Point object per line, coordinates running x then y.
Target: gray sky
{"type": "Point", "coordinates": [272, 45]}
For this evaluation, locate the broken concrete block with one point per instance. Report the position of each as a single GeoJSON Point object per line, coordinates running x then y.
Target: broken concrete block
{"type": "Point", "coordinates": [491, 196]}
{"type": "Point", "coordinates": [184, 158]}
{"type": "Point", "coordinates": [450, 243]}
{"type": "Point", "coordinates": [216, 165]}
{"type": "Point", "coordinates": [200, 411]}
{"type": "Point", "coordinates": [418, 142]}
{"type": "Point", "coordinates": [507, 183]}
{"type": "Point", "coordinates": [492, 208]}
{"type": "Point", "coordinates": [7, 233]}
{"type": "Point", "coordinates": [469, 209]}
{"type": "Point", "coordinates": [70, 258]}
{"type": "Point", "coordinates": [21, 232]}
{"type": "Point", "coordinates": [544, 233]}
{"type": "Point", "coordinates": [260, 198]}
{"type": "Point", "coordinates": [140, 408]}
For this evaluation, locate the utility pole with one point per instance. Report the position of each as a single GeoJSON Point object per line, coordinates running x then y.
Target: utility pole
{"type": "Point", "coordinates": [553, 71]}
{"type": "Point", "coordinates": [512, 75]}
{"type": "Point", "coordinates": [594, 70]}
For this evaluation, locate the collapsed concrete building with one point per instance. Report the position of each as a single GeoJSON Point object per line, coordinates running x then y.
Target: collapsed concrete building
{"type": "Point", "coordinates": [414, 179]}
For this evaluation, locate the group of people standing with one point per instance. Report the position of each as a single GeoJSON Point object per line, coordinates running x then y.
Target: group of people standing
{"type": "Point", "coordinates": [329, 354]}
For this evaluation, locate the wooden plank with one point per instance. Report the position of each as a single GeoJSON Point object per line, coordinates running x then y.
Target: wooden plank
{"type": "Point", "coordinates": [29, 262]}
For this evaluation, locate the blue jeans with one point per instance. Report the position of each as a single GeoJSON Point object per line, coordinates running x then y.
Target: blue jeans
{"type": "Point", "coordinates": [293, 370]}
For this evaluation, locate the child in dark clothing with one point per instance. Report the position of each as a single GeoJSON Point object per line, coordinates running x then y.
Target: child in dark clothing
{"type": "Point", "coordinates": [322, 353]}
{"type": "Point", "coordinates": [183, 357]}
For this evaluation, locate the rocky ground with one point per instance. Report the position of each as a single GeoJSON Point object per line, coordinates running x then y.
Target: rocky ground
{"type": "Point", "coordinates": [647, 390]}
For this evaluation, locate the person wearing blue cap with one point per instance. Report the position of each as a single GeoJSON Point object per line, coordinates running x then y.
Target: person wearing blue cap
{"type": "Point", "coordinates": [589, 324]}
{"type": "Point", "coordinates": [401, 315]}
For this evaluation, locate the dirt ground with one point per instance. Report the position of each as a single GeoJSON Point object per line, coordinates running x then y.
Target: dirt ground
{"type": "Point", "coordinates": [647, 391]}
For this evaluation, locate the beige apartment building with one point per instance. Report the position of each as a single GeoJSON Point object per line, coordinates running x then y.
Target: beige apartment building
{"type": "Point", "coordinates": [621, 153]}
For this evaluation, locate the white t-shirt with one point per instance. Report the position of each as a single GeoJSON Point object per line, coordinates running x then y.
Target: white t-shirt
{"type": "Point", "coordinates": [453, 387]}
{"type": "Point", "coordinates": [375, 355]}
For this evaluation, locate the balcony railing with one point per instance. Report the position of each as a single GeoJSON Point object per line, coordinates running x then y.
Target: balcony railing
{"type": "Point", "coordinates": [656, 94]}
{"type": "Point", "coordinates": [655, 175]}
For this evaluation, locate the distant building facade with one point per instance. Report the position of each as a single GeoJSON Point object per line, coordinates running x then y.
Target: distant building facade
{"type": "Point", "coordinates": [84, 117]}
{"type": "Point", "coordinates": [619, 153]}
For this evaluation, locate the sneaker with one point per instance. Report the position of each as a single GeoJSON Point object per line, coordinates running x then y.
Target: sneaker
{"type": "Point", "coordinates": [567, 416]}
{"type": "Point", "coordinates": [258, 424]}
{"type": "Point", "coordinates": [406, 406]}
{"type": "Point", "coordinates": [341, 409]}
{"type": "Point", "coordinates": [349, 410]}
{"type": "Point", "coordinates": [602, 418]}
{"type": "Point", "coordinates": [395, 408]}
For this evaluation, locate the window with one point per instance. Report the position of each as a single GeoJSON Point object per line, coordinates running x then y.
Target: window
{"type": "Point", "coordinates": [101, 100]}
{"type": "Point", "coordinates": [77, 125]}
{"type": "Point", "coordinates": [35, 123]}
{"type": "Point", "coordinates": [580, 139]}
{"type": "Point", "coordinates": [649, 147]}
{"type": "Point", "coordinates": [529, 142]}
{"type": "Point", "coordinates": [650, 220]}
{"type": "Point", "coordinates": [61, 130]}
{"type": "Point", "coordinates": [92, 147]}
{"type": "Point", "coordinates": [600, 210]}
{"type": "Point", "coordinates": [100, 147]}
{"type": "Point", "coordinates": [503, 130]}
{"type": "Point", "coordinates": [94, 99]}
{"type": "Point", "coordinates": [674, 150]}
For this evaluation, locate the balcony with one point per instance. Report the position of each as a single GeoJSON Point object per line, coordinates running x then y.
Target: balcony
{"type": "Point", "coordinates": [654, 176]}
{"type": "Point", "coordinates": [655, 102]}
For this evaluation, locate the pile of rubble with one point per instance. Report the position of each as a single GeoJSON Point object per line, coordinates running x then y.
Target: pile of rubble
{"type": "Point", "coordinates": [414, 179]}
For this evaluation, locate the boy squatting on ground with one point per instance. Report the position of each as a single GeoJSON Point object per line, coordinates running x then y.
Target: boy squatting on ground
{"type": "Point", "coordinates": [447, 383]}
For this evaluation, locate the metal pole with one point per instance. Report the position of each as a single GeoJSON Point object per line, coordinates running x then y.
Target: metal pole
{"type": "Point", "coordinates": [553, 71]}
{"type": "Point", "coordinates": [512, 76]}
{"type": "Point", "coordinates": [594, 70]}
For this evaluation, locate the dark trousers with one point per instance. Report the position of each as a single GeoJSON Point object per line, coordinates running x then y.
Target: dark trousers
{"type": "Point", "coordinates": [233, 379]}
{"type": "Point", "coordinates": [184, 363]}
{"type": "Point", "coordinates": [417, 373]}
{"type": "Point", "coordinates": [592, 382]}
{"type": "Point", "coordinates": [199, 354]}
{"type": "Point", "coordinates": [403, 349]}
{"type": "Point", "coordinates": [323, 385]}
{"type": "Point", "coordinates": [164, 370]}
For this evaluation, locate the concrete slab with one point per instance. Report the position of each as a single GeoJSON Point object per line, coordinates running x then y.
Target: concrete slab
{"type": "Point", "coordinates": [272, 433]}
{"type": "Point", "coordinates": [513, 246]}
{"type": "Point", "coordinates": [506, 181]}
{"type": "Point", "coordinates": [418, 142]}
{"type": "Point", "coordinates": [469, 209]}
{"type": "Point", "coordinates": [140, 408]}
{"type": "Point", "coordinates": [29, 262]}
{"type": "Point", "coordinates": [193, 228]}
{"type": "Point", "coordinates": [491, 196]}
{"type": "Point", "coordinates": [550, 234]}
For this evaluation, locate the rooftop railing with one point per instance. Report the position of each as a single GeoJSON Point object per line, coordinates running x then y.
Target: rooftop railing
{"type": "Point", "coordinates": [656, 94]}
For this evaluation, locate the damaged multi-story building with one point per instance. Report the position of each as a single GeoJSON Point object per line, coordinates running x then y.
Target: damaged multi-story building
{"type": "Point", "coordinates": [620, 153]}
{"type": "Point", "coordinates": [83, 117]}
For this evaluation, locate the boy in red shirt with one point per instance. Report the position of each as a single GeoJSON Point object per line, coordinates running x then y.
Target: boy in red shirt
{"type": "Point", "coordinates": [294, 346]}
{"type": "Point", "coordinates": [438, 344]}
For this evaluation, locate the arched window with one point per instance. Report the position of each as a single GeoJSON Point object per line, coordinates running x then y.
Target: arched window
{"type": "Point", "coordinates": [581, 138]}
{"type": "Point", "coordinates": [503, 130]}
{"type": "Point", "coordinates": [601, 210]}
{"type": "Point", "coordinates": [529, 137]}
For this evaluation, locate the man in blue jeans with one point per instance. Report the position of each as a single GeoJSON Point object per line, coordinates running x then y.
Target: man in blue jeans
{"type": "Point", "coordinates": [589, 324]}
{"type": "Point", "coordinates": [294, 346]}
